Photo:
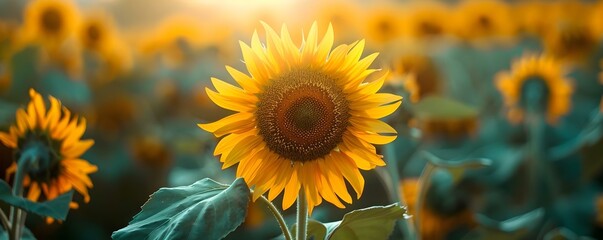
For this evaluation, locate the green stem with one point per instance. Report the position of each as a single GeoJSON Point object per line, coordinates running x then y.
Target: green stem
{"type": "Point", "coordinates": [302, 215]}
{"type": "Point", "coordinates": [18, 219]}
{"type": "Point", "coordinates": [424, 183]}
{"type": "Point", "coordinates": [5, 222]}
{"type": "Point", "coordinates": [279, 218]}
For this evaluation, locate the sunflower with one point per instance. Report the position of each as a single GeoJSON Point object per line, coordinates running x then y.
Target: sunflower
{"type": "Point", "coordinates": [596, 20]}
{"type": "Point", "coordinates": [477, 20]}
{"type": "Point", "coordinates": [433, 224]}
{"type": "Point", "coordinates": [570, 36]}
{"type": "Point", "coordinates": [306, 119]}
{"type": "Point", "coordinates": [428, 20]}
{"type": "Point", "coordinates": [383, 25]}
{"type": "Point", "coordinates": [96, 33]}
{"type": "Point", "coordinates": [535, 74]}
{"type": "Point", "coordinates": [56, 130]}
{"type": "Point", "coordinates": [425, 79]}
{"type": "Point", "coordinates": [49, 21]}
{"type": "Point", "coordinates": [533, 17]}
{"type": "Point", "coordinates": [341, 14]}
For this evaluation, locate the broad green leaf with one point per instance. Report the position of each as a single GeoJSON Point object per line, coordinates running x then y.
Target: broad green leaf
{"type": "Point", "coordinates": [457, 168]}
{"type": "Point", "coordinates": [56, 208]}
{"type": "Point", "coordinates": [316, 230]}
{"type": "Point", "coordinates": [368, 223]}
{"type": "Point", "coordinates": [440, 108]}
{"type": "Point", "coordinates": [204, 210]}
{"type": "Point", "coordinates": [26, 234]}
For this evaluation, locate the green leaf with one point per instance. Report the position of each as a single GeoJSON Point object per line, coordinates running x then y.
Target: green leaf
{"type": "Point", "coordinates": [25, 235]}
{"type": "Point", "coordinates": [56, 208]}
{"type": "Point", "coordinates": [316, 230]}
{"type": "Point", "coordinates": [368, 223]}
{"type": "Point", "coordinates": [440, 108]}
{"type": "Point", "coordinates": [204, 210]}
{"type": "Point", "coordinates": [457, 168]}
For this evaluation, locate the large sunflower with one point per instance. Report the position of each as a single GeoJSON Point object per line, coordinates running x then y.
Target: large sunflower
{"type": "Point", "coordinates": [58, 132]}
{"type": "Point", "coordinates": [541, 72]}
{"type": "Point", "coordinates": [306, 119]}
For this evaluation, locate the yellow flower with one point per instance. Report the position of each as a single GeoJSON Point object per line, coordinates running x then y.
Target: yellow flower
{"type": "Point", "coordinates": [424, 79]}
{"type": "Point", "coordinates": [543, 70]}
{"type": "Point", "coordinates": [178, 36]}
{"type": "Point", "coordinates": [479, 19]}
{"type": "Point", "coordinates": [58, 130]}
{"type": "Point", "coordinates": [533, 17]}
{"type": "Point", "coordinates": [342, 15]}
{"type": "Point", "coordinates": [382, 25]}
{"type": "Point", "coordinates": [570, 36]}
{"type": "Point", "coordinates": [305, 117]}
{"type": "Point", "coordinates": [433, 224]}
{"type": "Point", "coordinates": [49, 21]}
{"type": "Point", "coordinates": [427, 20]}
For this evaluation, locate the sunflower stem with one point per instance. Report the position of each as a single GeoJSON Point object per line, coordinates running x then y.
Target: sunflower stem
{"type": "Point", "coordinates": [279, 218]}
{"type": "Point", "coordinates": [29, 156]}
{"type": "Point", "coordinates": [5, 222]}
{"type": "Point", "coordinates": [302, 215]}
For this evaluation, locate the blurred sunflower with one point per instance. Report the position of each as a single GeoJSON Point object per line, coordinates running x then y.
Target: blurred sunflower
{"type": "Point", "coordinates": [532, 17]}
{"type": "Point", "coordinates": [49, 21]}
{"type": "Point", "coordinates": [151, 151]}
{"type": "Point", "coordinates": [58, 133]}
{"type": "Point", "coordinates": [7, 35]}
{"type": "Point", "coordinates": [99, 37]}
{"type": "Point", "coordinates": [178, 37]}
{"type": "Point", "coordinates": [342, 15]}
{"type": "Point", "coordinates": [480, 19]}
{"type": "Point", "coordinates": [382, 25]}
{"type": "Point", "coordinates": [570, 36]}
{"type": "Point", "coordinates": [433, 224]}
{"type": "Point", "coordinates": [428, 20]}
{"type": "Point", "coordinates": [535, 80]}
{"type": "Point", "coordinates": [305, 118]}
{"type": "Point", "coordinates": [424, 80]}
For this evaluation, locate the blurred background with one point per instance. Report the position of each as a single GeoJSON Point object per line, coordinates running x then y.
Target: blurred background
{"type": "Point", "coordinates": [137, 70]}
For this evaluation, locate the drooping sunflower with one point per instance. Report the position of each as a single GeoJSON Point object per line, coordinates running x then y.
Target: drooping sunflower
{"type": "Point", "coordinates": [424, 80]}
{"type": "Point", "coordinates": [305, 117]}
{"type": "Point", "coordinates": [59, 132]}
{"type": "Point", "coordinates": [484, 19]}
{"type": "Point", "coordinates": [428, 20]}
{"type": "Point", "coordinates": [533, 75]}
{"type": "Point", "coordinates": [49, 21]}
{"type": "Point", "coordinates": [433, 225]}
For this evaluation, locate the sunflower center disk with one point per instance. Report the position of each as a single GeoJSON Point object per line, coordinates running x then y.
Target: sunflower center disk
{"type": "Point", "coordinates": [51, 20]}
{"type": "Point", "coordinates": [302, 115]}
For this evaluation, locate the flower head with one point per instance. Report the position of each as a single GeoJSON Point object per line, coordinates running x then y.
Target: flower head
{"type": "Point", "coordinates": [59, 133]}
{"type": "Point", "coordinates": [535, 77]}
{"type": "Point", "coordinates": [305, 117]}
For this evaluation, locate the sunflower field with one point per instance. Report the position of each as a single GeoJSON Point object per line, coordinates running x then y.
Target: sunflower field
{"type": "Point", "coordinates": [301, 119]}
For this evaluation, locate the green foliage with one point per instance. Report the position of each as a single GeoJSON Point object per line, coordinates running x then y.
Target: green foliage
{"type": "Point", "coordinates": [434, 107]}
{"type": "Point", "coordinates": [206, 209]}
{"type": "Point", "coordinates": [369, 223]}
{"type": "Point", "coordinates": [56, 208]}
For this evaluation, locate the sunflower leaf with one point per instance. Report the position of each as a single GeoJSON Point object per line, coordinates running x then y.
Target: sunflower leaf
{"type": "Point", "coordinates": [206, 209]}
{"type": "Point", "coordinates": [56, 208]}
{"type": "Point", "coordinates": [368, 223]}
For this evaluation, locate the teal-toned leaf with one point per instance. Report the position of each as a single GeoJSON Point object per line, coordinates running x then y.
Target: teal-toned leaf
{"type": "Point", "coordinates": [368, 223]}
{"type": "Point", "coordinates": [204, 210]}
{"type": "Point", "coordinates": [457, 168]}
{"type": "Point", "coordinates": [25, 235]}
{"type": "Point", "coordinates": [527, 220]}
{"type": "Point", "coordinates": [440, 108]}
{"type": "Point", "coordinates": [56, 208]}
{"type": "Point", "coordinates": [316, 230]}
